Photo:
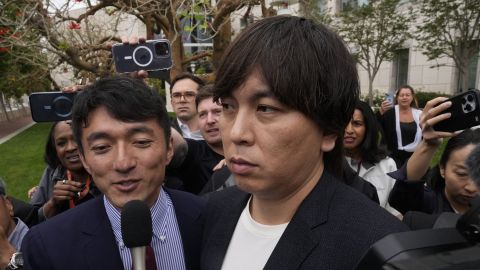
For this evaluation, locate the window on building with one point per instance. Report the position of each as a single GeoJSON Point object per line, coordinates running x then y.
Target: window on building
{"type": "Point", "coordinates": [472, 72]}
{"type": "Point", "coordinates": [400, 67]}
{"type": "Point", "coordinates": [195, 37]}
{"type": "Point", "coordinates": [352, 4]}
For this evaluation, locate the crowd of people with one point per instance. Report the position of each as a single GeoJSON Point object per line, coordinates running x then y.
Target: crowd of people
{"type": "Point", "coordinates": [277, 165]}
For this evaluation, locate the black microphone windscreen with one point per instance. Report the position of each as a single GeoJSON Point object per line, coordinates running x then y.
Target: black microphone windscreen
{"type": "Point", "coordinates": [136, 223]}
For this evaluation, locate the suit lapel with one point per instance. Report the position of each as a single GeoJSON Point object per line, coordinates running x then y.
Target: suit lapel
{"type": "Point", "coordinates": [299, 239]}
{"type": "Point", "coordinates": [98, 241]}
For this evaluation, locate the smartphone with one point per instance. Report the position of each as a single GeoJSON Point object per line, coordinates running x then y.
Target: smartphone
{"type": "Point", "coordinates": [389, 97]}
{"type": "Point", "coordinates": [51, 106]}
{"type": "Point", "coordinates": [149, 56]}
{"type": "Point", "coordinates": [465, 112]}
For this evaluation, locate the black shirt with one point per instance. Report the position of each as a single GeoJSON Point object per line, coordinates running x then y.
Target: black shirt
{"type": "Point", "coordinates": [409, 131]}
{"type": "Point", "coordinates": [197, 167]}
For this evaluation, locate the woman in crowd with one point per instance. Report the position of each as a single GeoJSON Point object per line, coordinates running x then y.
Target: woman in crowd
{"type": "Point", "coordinates": [64, 183]}
{"type": "Point", "coordinates": [364, 154]}
{"type": "Point", "coordinates": [449, 188]}
{"type": "Point", "coordinates": [401, 125]}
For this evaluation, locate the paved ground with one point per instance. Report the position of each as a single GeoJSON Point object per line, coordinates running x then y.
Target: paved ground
{"type": "Point", "coordinates": [15, 125]}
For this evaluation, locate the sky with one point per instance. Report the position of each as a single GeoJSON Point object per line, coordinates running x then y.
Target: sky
{"type": "Point", "coordinates": [73, 4]}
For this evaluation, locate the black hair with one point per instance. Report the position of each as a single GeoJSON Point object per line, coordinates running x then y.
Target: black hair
{"type": "Point", "coordinates": [204, 92]}
{"type": "Point", "coordinates": [306, 66]}
{"type": "Point", "coordinates": [370, 148]}
{"type": "Point", "coordinates": [473, 164]}
{"type": "Point", "coordinates": [126, 99]}
{"type": "Point", "coordinates": [50, 156]}
{"type": "Point", "coordinates": [186, 75]}
{"type": "Point", "coordinates": [414, 101]}
{"type": "Point", "coordinates": [466, 137]}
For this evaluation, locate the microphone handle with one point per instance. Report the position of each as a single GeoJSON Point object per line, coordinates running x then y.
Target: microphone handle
{"type": "Point", "coordinates": [138, 258]}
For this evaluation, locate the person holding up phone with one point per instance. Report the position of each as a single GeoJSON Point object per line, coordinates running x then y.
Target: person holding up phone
{"type": "Point", "coordinates": [449, 188]}
{"type": "Point", "coordinates": [402, 132]}
{"type": "Point", "coordinates": [65, 182]}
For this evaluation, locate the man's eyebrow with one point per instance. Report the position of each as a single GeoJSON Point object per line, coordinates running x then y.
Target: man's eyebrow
{"type": "Point", "coordinates": [140, 129]}
{"type": "Point", "coordinates": [130, 132]}
{"type": "Point", "coordinates": [97, 136]}
{"type": "Point", "coordinates": [262, 93]}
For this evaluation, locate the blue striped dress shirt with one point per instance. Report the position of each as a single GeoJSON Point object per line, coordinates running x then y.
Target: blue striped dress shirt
{"type": "Point", "coordinates": [166, 240]}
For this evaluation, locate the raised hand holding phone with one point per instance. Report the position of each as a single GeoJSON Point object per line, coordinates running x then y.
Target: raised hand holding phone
{"type": "Point", "coordinates": [136, 55]}
{"type": "Point", "coordinates": [464, 112]}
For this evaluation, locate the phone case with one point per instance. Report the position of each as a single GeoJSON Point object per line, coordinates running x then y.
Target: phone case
{"type": "Point", "coordinates": [144, 56]}
{"type": "Point", "coordinates": [465, 112]}
{"type": "Point", "coordinates": [51, 106]}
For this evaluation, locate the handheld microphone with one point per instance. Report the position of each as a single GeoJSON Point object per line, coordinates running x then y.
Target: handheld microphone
{"type": "Point", "coordinates": [136, 222]}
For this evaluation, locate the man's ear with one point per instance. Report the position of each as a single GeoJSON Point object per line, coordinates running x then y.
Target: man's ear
{"type": "Point", "coordinates": [169, 150]}
{"type": "Point", "coordinates": [328, 142]}
{"type": "Point", "coordinates": [84, 162]}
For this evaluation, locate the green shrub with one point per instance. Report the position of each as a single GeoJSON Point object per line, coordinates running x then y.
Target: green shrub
{"type": "Point", "coordinates": [423, 97]}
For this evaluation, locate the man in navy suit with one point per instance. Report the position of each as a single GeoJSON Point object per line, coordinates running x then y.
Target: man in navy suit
{"type": "Point", "coordinates": [122, 130]}
{"type": "Point", "coordinates": [288, 88]}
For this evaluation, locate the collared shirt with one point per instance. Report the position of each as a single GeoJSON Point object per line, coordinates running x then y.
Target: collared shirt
{"type": "Point", "coordinates": [166, 240]}
{"type": "Point", "coordinates": [16, 237]}
{"type": "Point", "coordinates": [187, 134]}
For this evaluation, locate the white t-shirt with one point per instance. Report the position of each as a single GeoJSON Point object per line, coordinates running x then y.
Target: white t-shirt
{"type": "Point", "coordinates": [252, 243]}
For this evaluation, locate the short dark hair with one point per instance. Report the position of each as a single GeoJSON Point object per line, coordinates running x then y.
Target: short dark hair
{"type": "Point", "coordinates": [204, 92]}
{"type": "Point", "coordinates": [307, 67]}
{"type": "Point", "coordinates": [370, 148]}
{"type": "Point", "coordinates": [186, 75]}
{"type": "Point", "coordinates": [50, 155]}
{"type": "Point", "coordinates": [126, 99]}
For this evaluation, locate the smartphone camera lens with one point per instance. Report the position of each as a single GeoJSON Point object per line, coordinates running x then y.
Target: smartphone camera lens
{"type": "Point", "coordinates": [470, 98]}
{"type": "Point", "coordinates": [468, 108]}
{"type": "Point", "coordinates": [161, 49]}
{"type": "Point", "coordinates": [62, 106]}
{"type": "Point", "coordinates": [142, 56]}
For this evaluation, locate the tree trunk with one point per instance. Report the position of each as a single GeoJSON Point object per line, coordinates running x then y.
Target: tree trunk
{"type": "Point", "coordinates": [2, 103]}
{"type": "Point", "coordinates": [177, 54]}
{"type": "Point", "coordinates": [149, 26]}
{"type": "Point", "coordinates": [9, 104]}
{"type": "Point", "coordinates": [24, 110]}
{"type": "Point", "coordinates": [370, 90]}
{"type": "Point", "coordinates": [221, 42]}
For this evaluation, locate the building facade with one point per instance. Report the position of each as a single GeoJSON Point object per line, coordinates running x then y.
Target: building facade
{"type": "Point", "coordinates": [409, 65]}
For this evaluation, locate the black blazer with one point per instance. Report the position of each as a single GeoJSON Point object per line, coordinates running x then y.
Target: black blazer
{"type": "Point", "coordinates": [333, 227]}
{"type": "Point", "coordinates": [82, 238]}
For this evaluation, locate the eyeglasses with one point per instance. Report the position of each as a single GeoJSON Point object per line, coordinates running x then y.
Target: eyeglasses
{"type": "Point", "coordinates": [188, 96]}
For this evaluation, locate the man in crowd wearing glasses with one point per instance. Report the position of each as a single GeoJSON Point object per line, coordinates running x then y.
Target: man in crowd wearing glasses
{"type": "Point", "coordinates": [194, 161]}
{"type": "Point", "coordinates": [183, 90]}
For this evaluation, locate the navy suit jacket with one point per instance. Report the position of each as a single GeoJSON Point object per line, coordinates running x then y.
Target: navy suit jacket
{"type": "Point", "coordinates": [82, 238]}
{"type": "Point", "coordinates": [332, 228]}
